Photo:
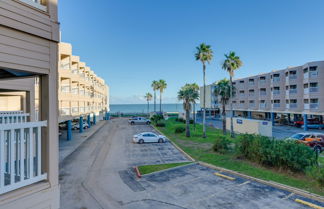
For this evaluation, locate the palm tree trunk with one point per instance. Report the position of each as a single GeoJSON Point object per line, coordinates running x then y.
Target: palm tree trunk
{"type": "Point", "coordinates": [224, 118]}
{"type": "Point", "coordinates": [154, 101]}
{"type": "Point", "coordinates": [160, 102]}
{"type": "Point", "coordinates": [231, 105]}
{"type": "Point", "coordinates": [187, 121]}
{"type": "Point", "coordinates": [194, 114]}
{"type": "Point", "coordinates": [204, 102]}
{"type": "Point", "coordinates": [148, 107]}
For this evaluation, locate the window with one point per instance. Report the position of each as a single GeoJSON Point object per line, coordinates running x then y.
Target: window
{"type": "Point", "coordinates": [251, 90]}
{"type": "Point", "coordinates": [276, 101]}
{"type": "Point", "coordinates": [305, 85]}
{"type": "Point", "coordinates": [242, 102]}
{"type": "Point", "coordinates": [242, 81]}
{"type": "Point", "coordinates": [293, 101]}
{"type": "Point", "coordinates": [306, 101]}
{"type": "Point", "coordinates": [313, 68]}
{"type": "Point", "coordinates": [293, 72]}
{"type": "Point", "coordinates": [313, 84]}
{"type": "Point", "coordinates": [293, 86]}
{"type": "Point", "coordinates": [262, 78]}
{"type": "Point", "coordinates": [251, 101]}
{"type": "Point", "coordinates": [313, 100]}
{"type": "Point", "coordinates": [35, 3]}
{"type": "Point", "coordinates": [305, 70]}
{"type": "Point", "coordinates": [262, 101]}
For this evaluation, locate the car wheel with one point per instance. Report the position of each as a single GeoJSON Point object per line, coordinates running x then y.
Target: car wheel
{"type": "Point", "coordinates": [160, 141]}
{"type": "Point", "coordinates": [141, 141]}
{"type": "Point", "coordinates": [318, 149]}
{"type": "Point", "coordinates": [148, 123]}
{"type": "Point", "coordinates": [132, 123]}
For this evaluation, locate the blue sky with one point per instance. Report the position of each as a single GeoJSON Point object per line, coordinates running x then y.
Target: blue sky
{"type": "Point", "coordinates": [132, 42]}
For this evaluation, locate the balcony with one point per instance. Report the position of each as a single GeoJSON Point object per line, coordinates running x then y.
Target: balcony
{"type": "Point", "coordinates": [75, 91]}
{"type": "Point", "coordinates": [21, 155]}
{"type": "Point", "coordinates": [263, 93]}
{"type": "Point", "coordinates": [292, 105]}
{"type": "Point", "coordinates": [275, 79]}
{"type": "Point", "coordinates": [262, 82]}
{"type": "Point", "coordinates": [252, 105]}
{"type": "Point", "coordinates": [35, 3]}
{"type": "Point", "coordinates": [291, 77]}
{"type": "Point", "coordinates": [313, 89]}
{"type": "Point", "coordinates": [75, 110]}
{"type": "Point", "coordinates": [313, 74]}
{"type": "Point", "coordinates": [293, 91]}
{"type": "Point", "coordinates": [65, 111]}
{"type": "Point", "coordinates": [276, 92]}
{"type": "Point", "coordinates": [65, 89]}
{"type": "Point", "coordinates": [262, 105]}
{"type": "Point", "coordinates": [65, 66]}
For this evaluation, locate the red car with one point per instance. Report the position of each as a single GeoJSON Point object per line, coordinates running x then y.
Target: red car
{"type": "Point", "coordinates": [299, 123]}
{"type": "Point", "coordinates": [313, 140]}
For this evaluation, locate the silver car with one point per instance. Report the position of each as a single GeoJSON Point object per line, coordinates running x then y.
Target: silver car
{"type": "Point", "coordinates": [148, 137]}
{"type": "Point", "coordinates": [139, 120]}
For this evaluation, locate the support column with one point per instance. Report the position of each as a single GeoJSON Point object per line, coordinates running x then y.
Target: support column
{"type": "Point", "coordinates": [288, 117]}
{"type": "Point", "coordinates": [94, 119]}
{"type": "Point", "coordinates": [249, 115]}
{"type": "Point", "coordinates": [89, 121]}
{"type": "Point", "coordinates": [305, 122]}
{"type": "Point", "coordinates": [272, 118]}
{"type": "Point", "coordinates": [107, 116]}
{"type": "Point", "coordinates": [69, 130]}
{"type": "Point", "coordinates": [81, 124]}
{"type": "Point", "coordinates": [295, 117]}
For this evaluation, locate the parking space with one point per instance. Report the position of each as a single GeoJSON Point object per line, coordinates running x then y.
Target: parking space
{"type": "Point", "coordinates": [196, 186]}
{"type": "Point", "coordinates": [150, 153]}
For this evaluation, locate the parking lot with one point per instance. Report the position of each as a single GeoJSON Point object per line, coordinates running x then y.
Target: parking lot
{"type": "Point", "coordinates": [100, 174]}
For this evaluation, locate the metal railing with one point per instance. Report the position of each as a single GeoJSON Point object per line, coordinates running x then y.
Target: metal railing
{"type": "Point", "coordinates": [20, 155]}
{"type": "Point", "coordinates": [276, 105]}
{"type": "Point", "coordinates": [313, 105]}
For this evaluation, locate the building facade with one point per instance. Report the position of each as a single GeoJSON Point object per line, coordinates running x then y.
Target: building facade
{"type": "Point", "coordinates": [29, 36]}
{"type": "Point", "coordinates": [81, 92]}
{"type": "Point", "coordinates": [296, 92]}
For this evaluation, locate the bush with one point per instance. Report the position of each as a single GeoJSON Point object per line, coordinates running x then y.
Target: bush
{"type": "Point", "coordinates": [317, 173]}
{"type": "Point", "coordinates": [221, 145]}
{"type": "Point", "coordinates": [160, 124]}
{"type": "Point", "coordinates": [181, 120]}
{"type": "Point", "coordinates": [275, 153]}
{"type": "Point", "coordinates": [191, 121]}
{"type": "Point", "coordinates": [156, 118]}
{"type": "Point", "coordinates": [179, 130]}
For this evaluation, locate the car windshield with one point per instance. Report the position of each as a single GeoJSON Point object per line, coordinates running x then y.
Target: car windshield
{"type": "Point", "coordinates": [297, 136]}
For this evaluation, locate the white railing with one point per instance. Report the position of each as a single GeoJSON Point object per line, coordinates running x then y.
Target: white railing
{"type": "Point", "coordinates": [314, 105]}
{"type": "Point", "coordinates": [20, 155]}
{"type": "Point", "coordinates": [10, 112]}
{"type": "Point", "coordinates": [262, 105]}
{"type": "Point", "coordinates": [13, 118]}
{"type": "Point", "coordinates": [293, 105]}
{"type": "Point", "coordinates": [35, 3]}
{"type": "Point", "coordinates": [276, 105]}
{"type": "Point", "coordinates": [306, 106]}
{"type": "Point", "coordinates": [313, 74]}
{"type": "Point", "coordinates": [65, 111]}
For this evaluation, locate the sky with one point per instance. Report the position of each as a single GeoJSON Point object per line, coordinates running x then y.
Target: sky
{"type": "Point", "coordinates": [130, 43]}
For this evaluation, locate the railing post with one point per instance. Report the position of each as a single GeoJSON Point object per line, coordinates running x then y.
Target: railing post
{"type": "Point", "coordinates": [22, 155]}
{"type": "Point", "coordinates": [305, 122]}
{"type": "Point", "coordinates": [30, 154]}
{"type": "Point", "coordinates": [81, 124]}
{"type": "Point", "coordinates": [12, 162]}
{"type": "Point", "coordinates": [89, 121]}
{"type": "Point", "coordinates": [94, 119]}
{"type": "Point", "coordinates": [69, 130]}
{"type": "Point", "coordinates": [39, 154]}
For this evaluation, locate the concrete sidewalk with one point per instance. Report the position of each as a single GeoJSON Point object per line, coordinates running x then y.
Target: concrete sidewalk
{"type": "Point", "coordinates": [67, 147]}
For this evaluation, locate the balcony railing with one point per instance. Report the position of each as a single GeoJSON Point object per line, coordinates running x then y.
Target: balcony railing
{"type": "Point", "coordinates": [306, 91]}
{"type": "Point", "coordinates": [306, 106]}
{"type": "Point", "coordinates": [13, 118]}
{"type": "Point", "coordinates": [74, 90]}
{"type": "Point", "coordinates": [314, 105]}
{"type": "Point", "coordinates": [293, 91]}
{"type": "Point", "coordinates": [65, 89]}
{"type": "Point", "coordinates": [20, 155]}
{"type": "Point", "coordinates": [65, 111]}
{"type": "Point", "coordinates": [276, 105]}
{"type": "Point", "coordinates": [262, 106]}
{"type": "Point", "coordinates": [293, 105]}
{"type": "Point", "coordinates": [313, 74]}
{"type": "Point", "coordinates": [35, 3]}
{"type": "Point", "coordinates": [263, 93]}
{"type": "Point", "coordinates": [276, 92]}
{"type": "Point", "coordinates": [313, 89]}
{"type": "Point", "coordinates": [276, 79]}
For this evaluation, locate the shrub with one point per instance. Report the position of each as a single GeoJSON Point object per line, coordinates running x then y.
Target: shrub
{"type": "Point", "coordinates": [160, 124]}
{"type": "Point", "coordinates": [179, 129]}
{"type": "Point", "coordinates": [275, 153]}
{"type": "Point", "coordinates": [317, 173]}
{"type": "Point", "coordinates": [156, 118]}
{"type": "Point", "coordinates": [191, 121]}
{"type": "Point", "coordinates": [221, 145]}
{"type": "Point", "coordinates": [181, 120]}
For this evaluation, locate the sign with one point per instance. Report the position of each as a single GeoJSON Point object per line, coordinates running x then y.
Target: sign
{"type": "Point", "coordinates": [265, 123]}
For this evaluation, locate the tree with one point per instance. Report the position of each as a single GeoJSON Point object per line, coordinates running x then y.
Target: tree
{"type": "Point", "coordinates": [195, 88]}
{"type": "Point", "coordinates": [231, 63]}
{"type": "Point", "coordinates": [161, 86]}
{"type": "Point", "coordinates": [222, 90]}
{"type": "Point", "coordinates": [187, 94]}
{"type": "Point", "coordinates": [155, 86]}
{"type": "Point", "coordinates": [204, 54]}
{"type": "Point", "coordinates": [148, 97]}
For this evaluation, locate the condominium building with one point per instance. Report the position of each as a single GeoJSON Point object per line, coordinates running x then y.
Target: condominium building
{"type": "Point", "coordinates": [81, 92]}
{"type": "Point", "coordinates": [296, 91]}
{"type": "Point", "coordinates": [29, 36]}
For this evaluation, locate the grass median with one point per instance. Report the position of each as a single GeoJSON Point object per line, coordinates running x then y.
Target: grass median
{"type": "Point", "coordinates": [146, 169]}
{"type": "Point", "coordinates": [201, 150]}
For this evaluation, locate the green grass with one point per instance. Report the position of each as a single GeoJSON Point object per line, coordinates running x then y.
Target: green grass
{"type": "Point", "coordinates": [146, 169]}
{"type": "Point", "coordinates": [200, 149]}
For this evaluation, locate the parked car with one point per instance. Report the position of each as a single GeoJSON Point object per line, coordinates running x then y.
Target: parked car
{"type": "Point", "coordinates": [314, 126]}
{"type": "Point", "coordinates": [310, 121]}
{"type": "Point", "coordinates": [313, 140]}
{"type": "Point", "coordinates": [77, 126]}
{"type": "Point", "coordinates": [148, 137]}
{"type": "Point", "coordinates": [139, 120]}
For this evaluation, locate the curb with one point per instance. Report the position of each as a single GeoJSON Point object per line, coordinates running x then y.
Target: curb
{"type": "Point", "coordinates": [138, 173]}
{"type": "Point", "coordinates": [176, 146]}
{"type": "Point", "coordinates": [90, 135]}
{"type": "Point", "coordinates": [269, 183]}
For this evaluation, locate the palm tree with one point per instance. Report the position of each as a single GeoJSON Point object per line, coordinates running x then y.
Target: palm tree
{"type": "Point", "coordinates": [187, 93]}
{"type": "Point", "coordinates": [195, 88]}
{"type": "Point", "coordinates": [148, 97]}
{"type": "Point", "coordinates": [204, 54]}
{"type": "Point", "coordinates": [155, 86]}
{"type": "Point", "coordinates": [161, 86]}
{"type": "Point", "coordinates": [231, 63]}
{"type": "Point", "coordinates": [222, 90]}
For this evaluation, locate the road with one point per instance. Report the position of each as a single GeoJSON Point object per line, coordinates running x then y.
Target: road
{"type": "Point", "coordinates": [99, 175]}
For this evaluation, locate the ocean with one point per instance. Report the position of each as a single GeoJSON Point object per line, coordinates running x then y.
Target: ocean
{"type": "Point", "coordinates": [142, 108]}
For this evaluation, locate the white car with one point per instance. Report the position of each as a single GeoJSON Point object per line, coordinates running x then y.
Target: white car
{"type": "Point", "coordinates": [77, 126]}
{"type": "Point", "coordinates": [149, 137]}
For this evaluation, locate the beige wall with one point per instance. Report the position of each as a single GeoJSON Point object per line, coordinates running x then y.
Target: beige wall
{"type": "Point", "coordinates": [29, 43]}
